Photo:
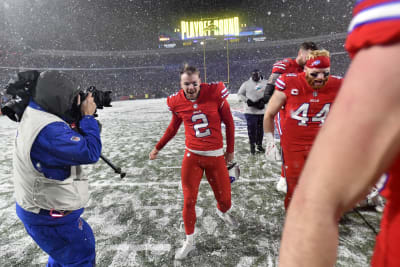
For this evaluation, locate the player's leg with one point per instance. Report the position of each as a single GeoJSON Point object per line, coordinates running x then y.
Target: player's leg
{"type": "Point", "coordinates": [191, 175]}
{"type": "Point", "coordinates": [294, 162]}
{"type": "Point", "coordinates": [218, 178]}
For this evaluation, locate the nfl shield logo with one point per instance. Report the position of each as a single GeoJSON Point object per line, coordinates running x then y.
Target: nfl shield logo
{"type": "Point", "coordinates": [315, 94]}
{"type": "Point", "coordinates": [75, 138]}
{"type": "Point", "coordinates": [195, 106]}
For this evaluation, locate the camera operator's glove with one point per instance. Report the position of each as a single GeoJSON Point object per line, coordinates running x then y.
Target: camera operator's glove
{"type": "Point", "coordinates": [260, 104]}
{"type": "Point", "coordinates": [270, 147]}
{"type": "Point", "coordinates": [250, 103]}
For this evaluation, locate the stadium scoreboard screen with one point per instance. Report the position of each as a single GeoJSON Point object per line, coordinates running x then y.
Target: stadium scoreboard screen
{"type": "Point", "coordinates": [212, 27]}
{"type": "Point", "coordinates": [194, 32]}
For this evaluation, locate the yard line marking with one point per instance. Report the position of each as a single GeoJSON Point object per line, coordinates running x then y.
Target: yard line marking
{"type": "Point", "coordinates": [177, 183]}
{"type": "Point", "coordinates": [143, 247]}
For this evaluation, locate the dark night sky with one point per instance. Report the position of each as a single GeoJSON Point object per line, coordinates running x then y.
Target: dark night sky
{"type": "Point", "coordinates": [135, 24]}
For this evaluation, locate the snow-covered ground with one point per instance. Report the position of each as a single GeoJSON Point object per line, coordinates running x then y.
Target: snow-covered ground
{"type": "Point", "coordinates": [137, 220]}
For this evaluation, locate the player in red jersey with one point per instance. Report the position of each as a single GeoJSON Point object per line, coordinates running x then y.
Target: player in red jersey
{"type": "Point", "coordinates": [287, 65]}
{"type": "Point", "coordinates": [358, 143]}
{"type": "Point", "coordinates": [306, 98]}
{"type": "Point", "coordinates": [201, 108]}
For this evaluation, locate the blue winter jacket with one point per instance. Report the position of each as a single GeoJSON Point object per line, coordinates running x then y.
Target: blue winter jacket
{"type": "Point", "coordinates": [57, 147]}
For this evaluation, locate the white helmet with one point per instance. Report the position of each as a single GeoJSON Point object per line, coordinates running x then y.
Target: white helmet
{"type": "Point", "coordinates": [234, 171]}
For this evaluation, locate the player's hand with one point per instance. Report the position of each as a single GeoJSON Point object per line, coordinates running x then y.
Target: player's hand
{"type": "Point", "coordinates": [229, 157]}
{"type": "Point", "coordinates": [270, 148]}
{"type": "Point", "coordinates": [153, 154]}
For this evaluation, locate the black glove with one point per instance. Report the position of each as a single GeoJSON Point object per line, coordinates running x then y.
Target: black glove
{"type": "Point", "coordinates": [260, 104]}
{"type": "Point", "coordinates": [250, 103]}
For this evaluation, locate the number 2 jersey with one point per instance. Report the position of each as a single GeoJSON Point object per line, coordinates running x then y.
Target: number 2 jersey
{"type": "Point", "coordinates": [377, 22]}
{"type": "Point", "coordinates": [202, 120]}
{"type": "Point", "coordinates": [305, 109]}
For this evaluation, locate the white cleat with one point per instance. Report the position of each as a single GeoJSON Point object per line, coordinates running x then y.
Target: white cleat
{"type": "Point", "coordinates": [281, 185]}
{"type": "Point", "coordinates": [228, 219]}
{"type": "Point", "coordinates": [183, 252]}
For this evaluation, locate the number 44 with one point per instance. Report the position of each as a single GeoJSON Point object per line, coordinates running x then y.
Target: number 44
{"type": "Point", "coordinates": [300, 114]}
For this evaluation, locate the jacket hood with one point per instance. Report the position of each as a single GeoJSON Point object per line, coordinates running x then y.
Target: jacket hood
{"type": "Point", "coordinates": [55, 92]}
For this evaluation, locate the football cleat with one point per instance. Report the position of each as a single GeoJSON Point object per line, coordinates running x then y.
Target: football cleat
{"type": "Point", "coordinates": [228, 219]}
{"type": "Point", "coordinates": [187, 247]}
{"type": "Point", "coordinates": [234, 171]}
{"type": "Point", "coordinates": [281, 185]}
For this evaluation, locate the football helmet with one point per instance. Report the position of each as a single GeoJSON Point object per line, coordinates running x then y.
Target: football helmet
{"type": "Point", "coordinates": [234, 171]}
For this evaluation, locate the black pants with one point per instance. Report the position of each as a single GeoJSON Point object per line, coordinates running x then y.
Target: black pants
{"type": "Point", "coordinates": [255, 128]}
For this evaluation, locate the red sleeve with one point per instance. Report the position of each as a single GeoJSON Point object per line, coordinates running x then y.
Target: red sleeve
{"type": "Point", "coordinates": [280, 83]}
{"type": "Point", "coordinates": [280, 66]}
{"type": "Point", "coordinates": [171, 131]}
{"type": "Point", "coordinates": [222, 92]}
{"type": "Point", "coordinates": [227, 119]}
{"type": "Point", "coordinates": [373, 23]}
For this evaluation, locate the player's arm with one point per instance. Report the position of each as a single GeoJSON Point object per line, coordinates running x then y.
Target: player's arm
{"type": "Point", "coordinates": [168, 135]}
{"type": "Point", "coordinates": [276, 102]}
{"type": "Point", "coordinates": [269, 89]}
{"type": "Point", "coordinates": [355, 146]}
{"type": "Point", "coordinates": [227, 119]}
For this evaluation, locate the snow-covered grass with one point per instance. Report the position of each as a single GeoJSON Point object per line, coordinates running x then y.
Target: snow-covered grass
{"type": "Point", "coordinates": [137, 220]}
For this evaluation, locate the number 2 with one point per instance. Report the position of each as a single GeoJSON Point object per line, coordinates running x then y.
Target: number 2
{"type": "Point", "coordinates": [199, 127]}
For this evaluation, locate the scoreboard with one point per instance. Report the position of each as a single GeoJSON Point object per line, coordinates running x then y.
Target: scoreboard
{"type": "Point", "coordinates": [215, 27]}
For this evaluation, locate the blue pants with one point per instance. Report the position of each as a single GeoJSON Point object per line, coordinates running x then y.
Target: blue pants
{"type": "Point", "coordinates": [255, 128]}
{"type": "Point", "coordinates": [69, 241]}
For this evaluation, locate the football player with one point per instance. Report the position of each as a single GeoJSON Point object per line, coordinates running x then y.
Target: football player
{"type": "Point", "coordinates": [287, 65]}
{"type": "Point", "coordinates": [201, 107]}
{"type": "Point", "coordinates": [307, 98]}
{"type": "Point", "coordinates": [359, 142]}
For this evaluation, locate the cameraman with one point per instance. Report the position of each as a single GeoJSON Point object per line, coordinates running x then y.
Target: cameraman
{"type": "Point", "coordinates": [252, 94]}
{"type": "Point", "coordinates": [50, 187]}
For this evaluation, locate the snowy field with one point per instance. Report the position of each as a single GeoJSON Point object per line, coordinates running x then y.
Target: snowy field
{"type": "Point", "coordinates": [137, 220]}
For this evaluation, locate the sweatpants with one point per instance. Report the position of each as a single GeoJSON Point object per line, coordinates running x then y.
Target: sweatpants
{"type": "Point", "coordinates": [69, 240]}
{"type": "Point", "coordinates": [255, 128]}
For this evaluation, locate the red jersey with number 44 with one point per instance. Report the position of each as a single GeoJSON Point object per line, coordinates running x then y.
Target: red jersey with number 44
{"type": "Point", "coordinates": [306, 108]}
{"type": "Point", "coordinates": [201, 117]}
{"type": "Point", "coordinates": [377, 22]}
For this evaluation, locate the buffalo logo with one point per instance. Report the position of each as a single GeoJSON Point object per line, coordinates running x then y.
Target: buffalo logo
{"type": "Point", "coordinates": [75, 138]}
{"type": "Point", "coordinates": [294, 91]}
{"type": "Point", "coordinates": [315, 63]}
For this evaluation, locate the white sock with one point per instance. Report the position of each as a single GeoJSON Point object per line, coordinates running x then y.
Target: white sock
{"type": "Point", "coordinates": [190, 238]}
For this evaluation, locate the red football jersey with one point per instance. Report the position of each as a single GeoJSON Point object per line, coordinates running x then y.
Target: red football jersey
{"type": "Point", "coordinates": [201, 117]}
{"type": "Point", "coordinates": [305, 109]}
{"type": "Point", "coordinates": [287, 65]}
{"type": "Point", "coordinates": [377, 22]}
